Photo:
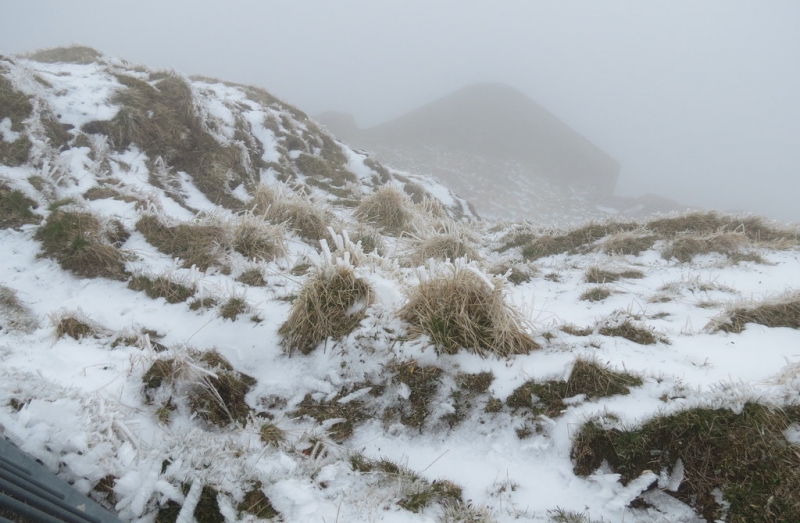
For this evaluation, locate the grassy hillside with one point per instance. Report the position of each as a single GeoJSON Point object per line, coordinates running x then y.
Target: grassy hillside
{"type": "Point", "coordinates": [212, 310]}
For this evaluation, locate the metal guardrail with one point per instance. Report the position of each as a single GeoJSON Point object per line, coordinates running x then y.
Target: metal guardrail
{"type": "Point", "coordinates": [33, 493]}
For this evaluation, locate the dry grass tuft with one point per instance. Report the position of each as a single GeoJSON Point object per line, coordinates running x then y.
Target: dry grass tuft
{"type": "Point", "coordinates": [631, 242]}
{"type": "Point", "coordinates": [215, 390]}
{"type": "Point", "coordinates": [779, 311]}
{"type": "Point", "coordinates": [271, 434]}
{"type": "Point", "coordinates": [625, 325]}
{"type": "Point", "coordinates": [464, 309]}
{"type": "Point", "coordinates": [73, 54]}
{"type": "Point", "coordinates": [162, 287]}
{"type": "Point", "coordinates": [302, 216]}
{"type": "Point", "coordinates": [588, 377]}
{"type": "Point", "coordinates": [599, 275]}
{"type": "Point", "coordinates": [744, 456]}
{"type": "Point", "coordinates": [233, 307]}
{"type": "Point", "coordinates": [516, 273]}
{"type": "Point", "coordinates": [252, 277]}
{"type": "Point", "coordinates": [686, 246]}
{"type": "Point", "coordinates": [196, 244]}
{"type": "Point", "coordinates": [348, 413]}
{"type": "Point", "coordinates": [75, 325]}
{"type": "Point", "coordinates": [256, 239]}
{"type": "Point", "coordinates": [81, 244]}
{"type": "Point", "coordinates": [450, 243]}
{"type": "Point", "coordinates": [388, 209]}
{"type": "Point", "coordinates": [574, 240]}
{"type": "Point", "coordinates": [331, 303]}
{"type": "Point", "coordinates": [15, 208]}
{"type": "Point", "coordinates": [598, 293]}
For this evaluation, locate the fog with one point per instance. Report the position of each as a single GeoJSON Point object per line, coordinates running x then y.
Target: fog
{"type": "Point", "coordinates": [699, 101]}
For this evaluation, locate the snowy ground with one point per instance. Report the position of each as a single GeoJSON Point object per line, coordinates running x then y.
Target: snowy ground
{"type": "Point", "coordinates": [79, 405]}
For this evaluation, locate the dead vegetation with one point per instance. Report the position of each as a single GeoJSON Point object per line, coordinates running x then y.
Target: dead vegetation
{"type": "Point", "coordinates": [778, 311]}
{"type": "Point", "coordinates": [349, 413]}
{"type": "Point", "coordinates": [686, 246]}
{"type": "Point", "coordinates": [207, 381]}
{"type": "Point", "coordinates": [462, 309]}
{"type": "Point", "coordinates": [74, 54]}
{"type": "Point", "coordinates": [82, 244]}
{"type": "Point", "coordinates": [597, 293]}
{"type": "Point", "coordinates": [744, 455]}
{"type": "Point", "coordinates": [599, 275]}
{"type": "Point", "coordinates": [255, 502]}
{"type": "Point", "coordinates": [450, 242]}
{"type": "Point", "coordinates": [196, 244]}
{"type": "Point", "coordinates": [388, 209]}
{"type": "Point", "coordinates": [588, 377]}
{"type": "Point", "coordinates": [162, 287]}
{"type": "Point", "coordinates": [416, 492]}
{"type": "Point", "coordinates": [331, 303]}
{"type": "Point", "coordinates": [75, 325]}
{"type": "Point", "coordinates": [422, 382]}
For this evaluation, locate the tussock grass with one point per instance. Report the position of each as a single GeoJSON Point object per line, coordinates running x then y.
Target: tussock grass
{"type": "Point", "coordinates": [573, 240]}
{"type": "Point", "coordinates": [196, 244]}
{"type": "Point", "coordinates": [73, 54]}
{"type": "Point", "coordinates": [630, 242]}
{"type": "Point", "coordinates": [15, 315]}
{"type": "Point", "coordinates": [588, 377]}
{"type": "Point", "coordinates": [326, 168]}
{"type": "Point", "coordinates": [302, 216]}
{"type": "Point", "coordinates": [461, 309]}
{"type": "Point", "coordinates": [331, 303]}
{"type": "Point", "coordinates": [82, 245]}
{"type": "Point", "coordinates": [15, 208]}
{"type": "Point", "coordinates": [253, 238]}
{"type": "Point", "coordinates": [162, 120]}
{"type": "Point", "coordinates": [271, 434]}
{"type": "Point", "coordinates": [599, 275]}
{"type": "Point", "coordinates": [597, 293]}
{"type": "Point", "coordinates": [744, 455]}
{"type": "Point", "coordinates": [686, 246]}
{"type": "Point", "coordinates": [162, 287]}
{"type": "Point", "coordinates": [387, 209]}
{"type": "Point", "coordinates": [449, 243]}
{"type": "Point", "coordinates": [778, 311]}
{"type": "Point", "coordinates": [16, 106]}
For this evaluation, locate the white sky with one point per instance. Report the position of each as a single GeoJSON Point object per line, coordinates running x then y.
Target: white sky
{"type": "Point", "coordinates": [699, 101]}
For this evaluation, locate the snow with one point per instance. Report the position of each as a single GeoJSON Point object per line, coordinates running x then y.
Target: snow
{"type": "Point", "coordinates": [84, 414]}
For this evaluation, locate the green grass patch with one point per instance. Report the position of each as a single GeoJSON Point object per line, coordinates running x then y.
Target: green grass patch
{"type": "Point", "coordinates": [587, 377]}
{"type": "Point", "coordinates": [744, 455]}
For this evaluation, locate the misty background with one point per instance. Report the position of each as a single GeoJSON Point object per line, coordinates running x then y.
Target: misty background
{"type": "Point", "coordinates": [699, 101]}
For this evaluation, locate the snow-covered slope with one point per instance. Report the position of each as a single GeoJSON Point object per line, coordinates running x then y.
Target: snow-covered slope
{"type": "Point", "coordinates": [210, 309]}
